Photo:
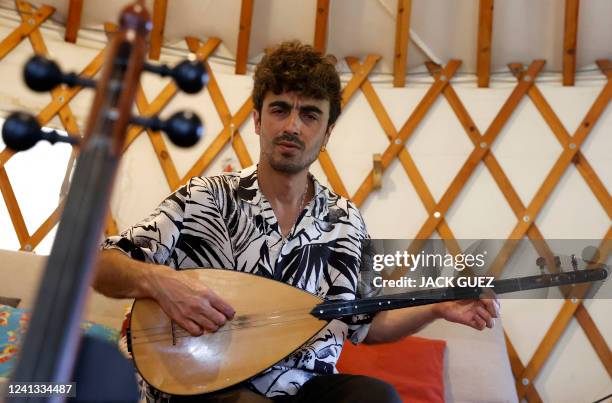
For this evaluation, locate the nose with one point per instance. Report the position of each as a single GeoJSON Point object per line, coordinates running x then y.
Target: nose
{"type": "Point", "coordinates": [293, 123]}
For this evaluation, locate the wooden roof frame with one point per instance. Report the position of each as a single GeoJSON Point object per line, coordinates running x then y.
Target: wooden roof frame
{"type": "Point", "coordinates": [526, 213]}
{"type": "Point", "coordinates": [402, 35]}
{"type": "Point", "coordinates": [485, 38]}
{"type": "Point", "coordinates": [570, 38]}
{"type": "Point", "coordinates": [160, 8]}
{"type": "Point", "coordinates": [321, 22]}
{"type": "Point", "coordinates": [244, 36]}
{"type": "Point", "coordinates": [73, 22]}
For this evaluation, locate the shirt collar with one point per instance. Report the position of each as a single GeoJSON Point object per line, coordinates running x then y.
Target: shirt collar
{"type": "Point", "coordinates": [248, 191]}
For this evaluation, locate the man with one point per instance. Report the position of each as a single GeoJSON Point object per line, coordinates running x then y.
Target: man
{"type": "Point", "coordinates": [277, 221]}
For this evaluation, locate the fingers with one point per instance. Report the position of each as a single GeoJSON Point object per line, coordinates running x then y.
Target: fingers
{"type": "Point", "coordinates": [491, 302]}
{"type": "Point", "coordinates": [477, 323]}
{"type": "Point", "coordinates": [206, 323]}
{"type": "Point", "coordinates": [194, 306]}
{"type": "Point", "coordinates": [205, 315]}
{"type": "Point", "coordinates": [199, 323]}
{"type": "Point", "coordinates": [484, 316]}
{"type": "Point", "coordinates": [220, 305]}
{"type": "Point", "coordinates": [492, 306]}
{"type": "Point", "coordinates": [190, 326]}
{"type": "Point", "coordinates": [213, 316]}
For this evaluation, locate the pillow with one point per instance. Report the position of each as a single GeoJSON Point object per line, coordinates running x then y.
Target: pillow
{"type": "Point", "coordinates": [13, 325]}
{"type": "Point", "coordinates": [14, 302]}
{"type": "Point", "coordinates": [414, 366]}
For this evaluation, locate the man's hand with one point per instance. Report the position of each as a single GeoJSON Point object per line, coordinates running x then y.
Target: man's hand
{"type": "Point", "coordinates": [389, 326]}
{"type": "Point", "coordinates": [192, 305]}
{"type": "Point", "coordinates": [476, 313]}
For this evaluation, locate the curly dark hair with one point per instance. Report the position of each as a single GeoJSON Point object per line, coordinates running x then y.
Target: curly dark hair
{"type": "Point", "coordinates": [293, 66]}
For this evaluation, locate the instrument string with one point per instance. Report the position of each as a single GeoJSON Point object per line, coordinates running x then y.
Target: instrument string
{"type": "Point", "coordinates": [181, 333]}
{"type": "Point", "coordinates": [239, 321]}
{"type": "Point", "coordinates": [250, 321]}
{"type": "Point", "coordinates": [255, 320]}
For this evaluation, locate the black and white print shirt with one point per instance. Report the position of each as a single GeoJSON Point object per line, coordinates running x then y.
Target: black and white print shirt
{"type": "Point", "coordinates": [225, 222]}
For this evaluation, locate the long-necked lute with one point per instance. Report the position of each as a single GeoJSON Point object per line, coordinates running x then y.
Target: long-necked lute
{"type": "Point", "coordinates": [272, 320]}
{"type": "Point", "coordinates": [49, 351]}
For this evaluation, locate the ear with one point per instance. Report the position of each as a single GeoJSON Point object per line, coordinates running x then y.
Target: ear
{"type": "Point", "coordinates": [328, 133]}
{"type": "Point", "coordinates": [257, 121]}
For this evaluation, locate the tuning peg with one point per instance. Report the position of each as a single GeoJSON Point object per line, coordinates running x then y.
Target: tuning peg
{"type": "Point", "coordinates": [42, 74]}
{"type": "Point", "coordinates": [574, 262]}
{"type": "Point", "coordinates": [189, 76]}
{"type": "Point", "coordinates": [591, 254]}
{"type": "Point", "coordinates": [21, 131]}
{"type": "Point", "coordinates": [184, 128]}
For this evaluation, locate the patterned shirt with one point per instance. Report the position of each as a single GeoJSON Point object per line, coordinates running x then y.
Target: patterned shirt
{"type": "Point", "coordinates": [226, 222]}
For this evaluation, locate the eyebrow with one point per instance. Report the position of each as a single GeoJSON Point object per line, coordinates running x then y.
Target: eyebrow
{"type": "Point", "coordinates": [305, 108]}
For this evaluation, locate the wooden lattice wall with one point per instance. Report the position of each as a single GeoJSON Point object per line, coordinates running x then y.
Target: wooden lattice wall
{"type": "Point", "coordinates": [525, 372]}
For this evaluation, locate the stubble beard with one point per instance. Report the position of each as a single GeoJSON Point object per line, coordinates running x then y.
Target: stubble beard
{"type": "Point", "coordinates": [290, 165]}
{"type": "Point", "coordinates": [293, 165]}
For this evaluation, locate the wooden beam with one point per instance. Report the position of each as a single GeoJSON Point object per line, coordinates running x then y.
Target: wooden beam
{"type": "Point", "coordinates": [478, 153]}
{"type": "Point", "coordinates": [111, 225]}
{"type": "Point", "coordinates": [566, 157]}
{"type": "Point", "coordinates": [12, 205]}
{"type": "Point", "coordinates": [244, 36]}
{"type": "Point", "coordinates": [327, 164]}
{"type": "Point", "coordinates": [559, 326]}
{"type": "Point", "coordinates": [320, 39]}
{"type": "Point", "coordinates": [570, 38]}
{"type": "Point", "coordinates": [407, 129]}
{"type": "Point", "coordinates": [73, 23]}
{"type": "Point", "coordinates": [485, 34]}
{"type": "Point", "coordinates": [13, 39]}
{"type": "Point", "coordinates": [161, 151]}
{"type": "Point", "coordinates": [584, 168]}
{"type": "Point", "coordinates": [404, 157]}
{"type": "Point", "coordinates": [490, 162]}
{"type": "Point", "coordinates": [168, 92]}
{"type": "Point", "coordinates": [595, 337]}
{"type": "Point", "coordinates": [517, 369]}
{"type": "Point", "coordinates": [605, 66]}
{"type": "Point", "coordinates": [402, 34]}
{"type": "Point", "coordinates": [231, 124]}
{"type": "Point", "coordinates": [553, 177]}
{"type": "Point", "coordinates": [44, 228]}
{"type": "Point", "coordinates": [157, 33]}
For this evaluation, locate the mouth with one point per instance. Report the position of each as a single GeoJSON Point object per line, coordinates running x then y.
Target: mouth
{"type": "Point", "coordinates": [288, 144]}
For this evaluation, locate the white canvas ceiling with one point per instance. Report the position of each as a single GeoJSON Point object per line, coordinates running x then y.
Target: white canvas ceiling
{"type": "Point", "coordinates": [523, 30]}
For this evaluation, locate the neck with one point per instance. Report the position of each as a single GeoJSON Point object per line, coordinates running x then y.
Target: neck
{"type": "Point", "coordinates": [281, 187]}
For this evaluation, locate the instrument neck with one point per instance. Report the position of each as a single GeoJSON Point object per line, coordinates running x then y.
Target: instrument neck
{"type": "Point", "coordinates": [338, 309]}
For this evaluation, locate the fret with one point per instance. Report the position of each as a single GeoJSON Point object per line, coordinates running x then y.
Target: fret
{"type": "Point", "coordinates": [336, 309]}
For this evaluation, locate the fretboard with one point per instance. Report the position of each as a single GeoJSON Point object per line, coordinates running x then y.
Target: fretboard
{"type": "Point", "coordinates": [338, 309]}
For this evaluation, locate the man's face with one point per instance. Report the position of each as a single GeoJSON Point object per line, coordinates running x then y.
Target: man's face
{"type": "Point", "coordinates": [292, 130]}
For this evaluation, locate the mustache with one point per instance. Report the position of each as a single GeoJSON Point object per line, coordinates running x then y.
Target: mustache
{"type": "Point", "coordinates": [285, 137]}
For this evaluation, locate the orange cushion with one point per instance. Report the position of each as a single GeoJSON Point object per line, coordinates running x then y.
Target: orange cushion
{"type": "Point", "coordinates": [413, 365]}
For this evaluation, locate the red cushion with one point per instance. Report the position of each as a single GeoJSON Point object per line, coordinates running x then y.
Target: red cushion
{"type": "Point", "coordinates": [413, 365]}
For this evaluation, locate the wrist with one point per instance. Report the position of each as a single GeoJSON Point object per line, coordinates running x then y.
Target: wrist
{"type": "Point", "coordinates": [437, 310]}
{"type": "Point", "coordinates": [152, 278]}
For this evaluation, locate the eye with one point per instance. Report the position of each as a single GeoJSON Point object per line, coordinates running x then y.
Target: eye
{"type": "Point", "coordinates": [310, 117]}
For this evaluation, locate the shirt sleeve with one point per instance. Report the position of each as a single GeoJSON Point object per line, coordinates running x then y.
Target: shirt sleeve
{"type": "Point", "coordinates": [359, 325]}
{"type": "Point", "coordinates": [153, 239]}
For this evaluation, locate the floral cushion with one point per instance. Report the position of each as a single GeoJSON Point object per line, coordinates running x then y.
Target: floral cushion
{"type": "Point", "coordinates": [13, 325]}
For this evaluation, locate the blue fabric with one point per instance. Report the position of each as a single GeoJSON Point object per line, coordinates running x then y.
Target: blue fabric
{"type": "Point", "coordinates": [13, 325]}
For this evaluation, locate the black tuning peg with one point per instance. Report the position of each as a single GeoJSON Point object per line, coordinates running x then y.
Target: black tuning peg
{"type": "Point", "coordinates": [42, 74]}
{"type": "Point", "coordinates": [184, 128]}
{"type": "Point", "coordinates": [189, 76]}
{"type": "Point", "coordinates": [21, 131]}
